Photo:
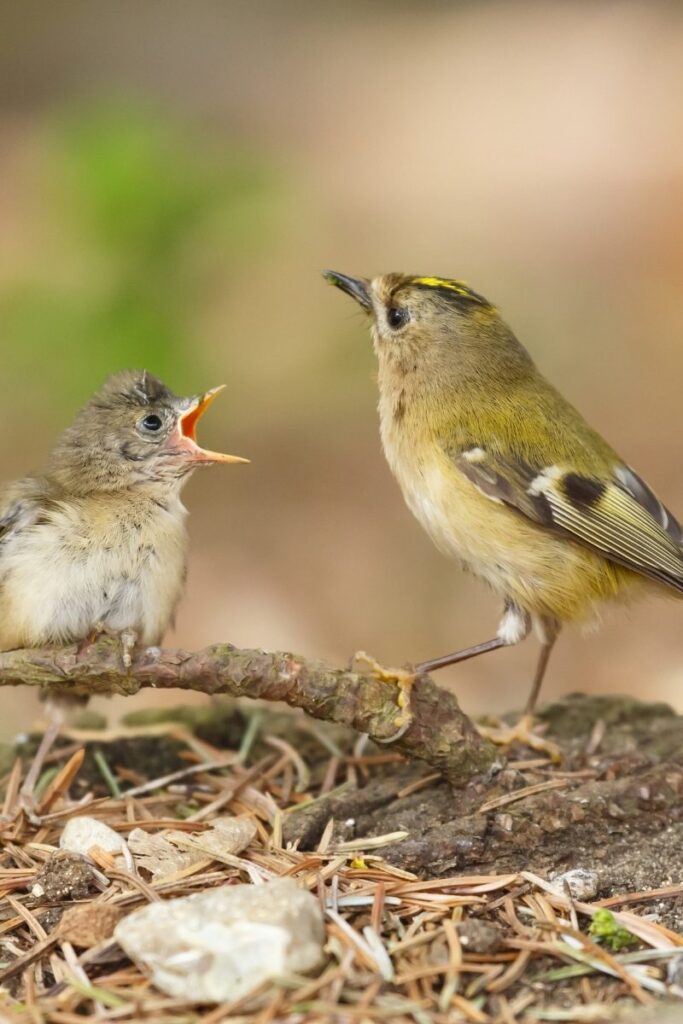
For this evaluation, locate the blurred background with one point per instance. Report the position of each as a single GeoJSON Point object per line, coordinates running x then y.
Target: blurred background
{"type": "Point", "coordinates": [174, 176]}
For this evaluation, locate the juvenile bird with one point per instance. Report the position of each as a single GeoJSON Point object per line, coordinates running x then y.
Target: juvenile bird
{"type": "Point", "coordinates": [503, 473]}
{"type": "Point", "coordinates": [98, 540]}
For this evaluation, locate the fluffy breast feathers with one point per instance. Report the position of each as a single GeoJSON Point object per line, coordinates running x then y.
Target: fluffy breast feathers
{"type": "Point", "coordinates": [67, 567]}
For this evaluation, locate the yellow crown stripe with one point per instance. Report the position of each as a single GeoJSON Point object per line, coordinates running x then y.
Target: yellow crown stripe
{"type": "Point", "coordinates": [441, 282]}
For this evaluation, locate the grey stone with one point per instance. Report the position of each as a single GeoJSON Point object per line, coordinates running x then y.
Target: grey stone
{"type": "Point", "coordinates": [581, 883]}
{"type": "Point", "coordinates": [479, 937]}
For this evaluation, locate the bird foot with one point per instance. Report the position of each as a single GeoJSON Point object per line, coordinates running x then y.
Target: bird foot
{"type": "Point", "coordinates": [521, 732]}
{"type": "Point", "coordinates": [128, 639]}
{"type": "Point", "coordinates": [403, 679]}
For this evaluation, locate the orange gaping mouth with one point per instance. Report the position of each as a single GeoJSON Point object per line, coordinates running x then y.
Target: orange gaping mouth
{"type": "Point", "coordinates": [187, 427]}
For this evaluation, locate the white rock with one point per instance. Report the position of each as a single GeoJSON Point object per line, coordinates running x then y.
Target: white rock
{"type": "Point", "coordinates": [82, 833]}
{"type": "Point", "coordinates": [216, 946]}
{"type": "Point", "coordinates": [581, 883]}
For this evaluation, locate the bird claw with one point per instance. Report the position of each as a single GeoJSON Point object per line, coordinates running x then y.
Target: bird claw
{"type": "Point", "coordinates": [404, 679]}
{"type": "Point", "coordinates": [521, 732]}
{"type": "Point", "coordinates": [128, 639]}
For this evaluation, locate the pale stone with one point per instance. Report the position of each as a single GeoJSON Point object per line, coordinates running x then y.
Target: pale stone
{"type": "Point", "coordinates": [218, 945]}
{"type": "Point", "coordinates": [581, 883]}
{"type": "Point", "coordinates": [82, 833]}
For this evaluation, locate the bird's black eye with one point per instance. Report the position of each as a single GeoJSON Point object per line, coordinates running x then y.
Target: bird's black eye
{"type": "Point", "coordinates": [397, 317]}
{"type": "Point", "coordinates": [152, 423]}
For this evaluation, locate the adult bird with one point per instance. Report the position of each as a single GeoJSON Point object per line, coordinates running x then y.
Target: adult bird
{"type": "Point", "coordinates": [503, 473]}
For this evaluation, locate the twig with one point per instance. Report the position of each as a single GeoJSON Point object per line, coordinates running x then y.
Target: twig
{"type": "Point", "coordinates": [439, 733]}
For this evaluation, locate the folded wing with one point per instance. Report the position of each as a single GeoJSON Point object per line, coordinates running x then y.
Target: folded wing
{"type": "Point", "coordinates": [619, 516]}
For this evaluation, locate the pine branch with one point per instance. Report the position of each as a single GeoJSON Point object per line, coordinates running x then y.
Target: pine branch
{"type": "Point", "coordinates": [439, 733]}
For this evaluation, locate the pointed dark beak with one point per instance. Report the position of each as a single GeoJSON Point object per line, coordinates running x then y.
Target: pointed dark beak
{"type": "Point", "coordinates": [357, 288]}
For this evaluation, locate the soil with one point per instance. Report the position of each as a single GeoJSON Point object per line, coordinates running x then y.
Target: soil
{"type": "Point", "coordinates": [620, 814]}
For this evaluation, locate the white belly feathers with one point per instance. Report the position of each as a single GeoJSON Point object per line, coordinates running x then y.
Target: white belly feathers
{"type": "Point", "coordinates": [59, 582]}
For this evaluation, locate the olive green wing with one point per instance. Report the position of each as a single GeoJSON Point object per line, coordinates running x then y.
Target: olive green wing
{"type": "Point", "coordinates": [618, 516]}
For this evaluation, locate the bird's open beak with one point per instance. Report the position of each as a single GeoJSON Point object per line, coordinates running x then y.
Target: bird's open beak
{"type": "Point", "coordinates": [357, 288]}
{"type": "Point", "coordinates": [187, 426]}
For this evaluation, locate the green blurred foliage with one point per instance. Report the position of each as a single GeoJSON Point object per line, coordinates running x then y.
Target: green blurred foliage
{"type": "Point", "coordinates": [142, 213]}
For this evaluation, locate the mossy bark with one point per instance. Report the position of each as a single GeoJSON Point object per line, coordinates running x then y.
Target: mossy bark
{"type": "Point", "coordinates": [439, 733]}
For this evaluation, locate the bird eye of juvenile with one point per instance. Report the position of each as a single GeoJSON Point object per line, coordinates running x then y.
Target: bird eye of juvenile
{"type": "Point", "coordinates": [397, 317]}
{"type": "Point", "coordinates": [151, 423]}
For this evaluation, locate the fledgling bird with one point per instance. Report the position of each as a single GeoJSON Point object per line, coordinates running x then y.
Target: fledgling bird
{"type": "Point", "coordinates": [502, 472]}
{"type": "Point", "coordinates": [98, 540]}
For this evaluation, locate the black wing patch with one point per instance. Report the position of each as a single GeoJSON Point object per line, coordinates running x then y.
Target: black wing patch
{"type": "Point", "coordinates": [620, 518]}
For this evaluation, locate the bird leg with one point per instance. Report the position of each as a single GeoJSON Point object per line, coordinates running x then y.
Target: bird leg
{"type": "Point", "coordinates": [514, 627]}
{"type": "Point", "coordinates": [55, 713]}
{"type": "Point", "coordinates": [403, 679]}
{"type": "Point", "coordinates": [425, 667]}
{"type": "Point", "coordinates": [27, 800]}
{"type": "Point", "coordinates": [523, 730]}
{"type": "Point", "coordinates": [541, 666]}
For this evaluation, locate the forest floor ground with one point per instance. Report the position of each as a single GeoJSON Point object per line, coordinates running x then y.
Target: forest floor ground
{"type": "Point", "coordinates": [441, 905]}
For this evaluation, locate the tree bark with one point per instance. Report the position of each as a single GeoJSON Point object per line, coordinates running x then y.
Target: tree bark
{"type": "Point", "coordinates": [439, 733]}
